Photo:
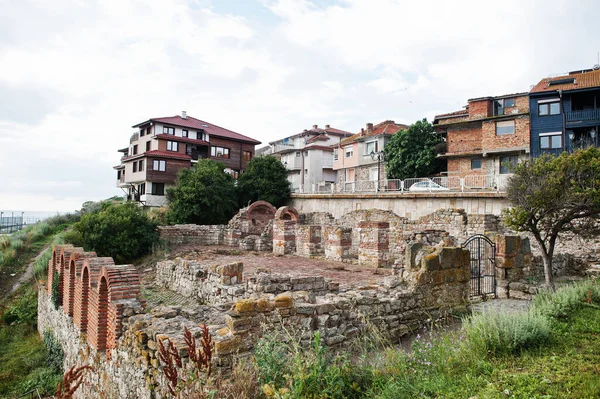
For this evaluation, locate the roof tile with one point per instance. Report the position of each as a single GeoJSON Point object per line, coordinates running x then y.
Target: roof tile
{"type": "Point", "coordinates": [584, 80]}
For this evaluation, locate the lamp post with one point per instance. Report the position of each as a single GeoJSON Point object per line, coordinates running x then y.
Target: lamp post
{"type": "Point", "coordinates": [379, 157]}
{"type": "Point", "coordinates": [571, 138]}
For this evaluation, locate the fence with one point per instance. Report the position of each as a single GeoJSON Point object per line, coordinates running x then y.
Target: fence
{"type": "Point", "coordinates": [11, 224]}
{"type": "Point", "coordinates": [494, 183]}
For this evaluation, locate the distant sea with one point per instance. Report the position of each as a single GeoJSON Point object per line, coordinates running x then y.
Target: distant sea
{"type": "Point", "coordinates": [30, 214]}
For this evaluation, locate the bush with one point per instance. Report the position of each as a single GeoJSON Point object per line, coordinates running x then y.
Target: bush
{"type": "Point", "coordinates": [496, 333]}
{"type": "Point", "coordinates": [562, 302]}
{"type": "Point", "coordinates": [73, 237]}
{"type": "Point", "coordinates": [23, 309]}
{"type": "Point", "coordinates": [122, 231]}
{"type": "Point", "coordinates": [17, 243]}
{"type": "Point", "coordinates": [40, 267]}
{"type": "Point", "coordinates": [55, 354]}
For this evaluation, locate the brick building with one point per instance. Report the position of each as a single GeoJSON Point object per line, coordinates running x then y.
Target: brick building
{"type": "Point", "coordinates": [352, 156]}
{"type": "Point", "coordinates": [161, 147]}
{"type": "Point", "coordinates": [486, 137]}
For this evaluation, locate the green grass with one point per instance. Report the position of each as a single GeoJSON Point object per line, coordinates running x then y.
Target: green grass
{"type": "Point", "coordinates": [530, 355]}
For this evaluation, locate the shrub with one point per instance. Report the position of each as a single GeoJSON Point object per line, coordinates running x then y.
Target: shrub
{"type": "Point", "coordinates": [122, 231]}
{"type": "Point", "coordinates": [17, 243]}
{"type": "Point", "coordinates": [73, 237]}
{"type": "Point", "coordinates": [23, 310]}
{"type": "Point", "coordinates": [265, 179]}
{"type": "Point", "coordinates": [40, 267]}
{"type": "Point", "coordinates": [55, 354]}
{"type": "Point", "coordinates": [497, 333]}
{"type": "Point", "coordinates": [55, 290]}
{"type": "Point", "coordinates": [562, 302]}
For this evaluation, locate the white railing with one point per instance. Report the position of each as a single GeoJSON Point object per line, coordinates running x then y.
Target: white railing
{"type": "Point", "coordinates": [494, 183]}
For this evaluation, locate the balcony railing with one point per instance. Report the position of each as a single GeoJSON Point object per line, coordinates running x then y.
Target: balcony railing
{"type": "Point", "coordinates": [469, 183]}
{"type": "Point", "coordinates": [584, 115]}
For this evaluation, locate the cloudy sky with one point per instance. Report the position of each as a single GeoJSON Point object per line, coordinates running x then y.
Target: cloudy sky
{"type": "Point", "coordinates": [76, 74]}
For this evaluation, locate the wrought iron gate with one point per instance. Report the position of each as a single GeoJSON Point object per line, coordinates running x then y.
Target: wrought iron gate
{"type": "Point", "coordinates": [483, 264]}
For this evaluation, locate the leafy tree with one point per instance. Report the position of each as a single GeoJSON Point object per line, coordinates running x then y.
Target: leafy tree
{"type": "Point", "coordinates": [265, 179]}
{"type": "Point", "coordinates": [411, 152]}
{"type": "Point", "coordinates": [204, 194]}
{"type": "Point", "coordinates": [122, 231]}
{"type": "Point", "coordinates": [553, 195]}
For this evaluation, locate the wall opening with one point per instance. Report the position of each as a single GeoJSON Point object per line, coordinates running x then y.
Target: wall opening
{"type": "Point", "coordinates": [102, 315]}
{"type": "Point", "coordinates": [71, 292]}
{"type": "Point", "coordinates": [85, 296]}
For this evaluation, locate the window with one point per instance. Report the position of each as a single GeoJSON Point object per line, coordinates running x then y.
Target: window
{"type": "Point", "coordinates": [305, 171]}
{"type": "Point", "coordinates": [142, 189]}
{"type": "Point", "coordinates": [141, 166]}
{"type": "Point", "coordinates": [147, 145]}
{"type": "Point", "coordinates": [550, 141]}
{"type": "Point", "coordinates": [158, 188]}
{"type": "Point", "coordinates": [168, 130]}
{"type": "Point", "coordinates": [505, 127]}
{"type": "Point", "coordinates": [475, 163]}
{"type": "Point", "coordinates": [135, 164]}
{"type": "Point", "coordinates": [506, 163]}
{"type": "Point", "coordinates": [200, 135]}
{"type": "Point", "coordinates": [348, 152]}
{"type": "Point", "coordinates": [373, 174]}
{"type": "Point", "coordinates": [335, 154]}
{"type": "Point", "coordinates": [247, 155]}
{"type": "Point", "coordinates": [219, 152]}
{"type": "Point", "coordinates": [549, 108]}
{"type": "Point", "coordinates": [172, 146]}
{"type": "Point", "coordinates": [142, 132]}
{"type": "Point", "coordinates": [350, 175]}
{"type": "Point", "coordinates": [118, 175]}
{"type": "Point", "coordinates": [135, 149]}
{"type": "Point", "coordinates": [159, 166]}
{"type": "Point", "coordinates": [370, 147]}
{"type": "Point", "coordinates": [509, 102]}
{"type": "Point", "coordinates": [297, 153]}
{"type": "Point", "coordinates": [184, 133]}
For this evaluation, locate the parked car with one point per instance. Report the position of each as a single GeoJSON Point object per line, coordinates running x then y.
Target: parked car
{"type": "Point", "coordinates": [427, 185]}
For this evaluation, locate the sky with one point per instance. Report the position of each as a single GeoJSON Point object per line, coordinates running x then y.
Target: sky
{"type": "Point", "coordinates": [75, 75]}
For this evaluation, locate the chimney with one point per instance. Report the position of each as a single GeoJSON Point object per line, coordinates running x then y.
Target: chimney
{"type": "Point", "coordinates": [362, 131]}
{"type": "Point", "coordinates": [315, 126]}
{"type": "Point", "coordinates": [327, 126]}
{"type": "Point", "coordinates": [184, 114]}
{"type": "Point", "coordinates": [369, 127]}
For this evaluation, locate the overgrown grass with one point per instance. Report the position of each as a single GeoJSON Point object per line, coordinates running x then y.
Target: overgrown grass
{"type": "Point", "coordinates": [40, 267]}
{"type": "Point", "coordinates": [541, 353]}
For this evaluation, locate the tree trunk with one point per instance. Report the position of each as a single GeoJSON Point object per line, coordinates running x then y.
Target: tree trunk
{"type": "Point", "coordinates": [547, 261]}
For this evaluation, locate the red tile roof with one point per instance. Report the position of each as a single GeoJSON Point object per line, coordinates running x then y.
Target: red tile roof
{"type": "Point", "coordinates": [583, 80]}
{"type": "Point", "coordinates": [386, 127]}
{"type": "Point", "coordinates": [182, 139]}
{"type": "Point", "coordinates": [319, 137]}
{"type": "Point", "coordinates": [198, 124]}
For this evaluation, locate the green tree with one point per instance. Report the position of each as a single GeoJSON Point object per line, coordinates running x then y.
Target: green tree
{"type": "Point", "coordinates": [204, 194]}
{"type": "Point", "coordinates": [265, 179]}
{"type": "Point", "coordinates": [122, 231]}
{"type": "Point", "coordinates": [552, 195]}
{"type": "Point", "coordinates": [411, 153]}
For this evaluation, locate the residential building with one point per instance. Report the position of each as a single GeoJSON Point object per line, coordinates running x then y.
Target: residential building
{"type": "Point", "coordinates": [160, 147]}
{"type": "Point", "coordinates": [485, 138]}
{"type": "Point", "coordinates": [565, 112]}
{"type": "Point", "coordinates": [352, 156]}
{"type": "Point", "coordinates": [308, 156]}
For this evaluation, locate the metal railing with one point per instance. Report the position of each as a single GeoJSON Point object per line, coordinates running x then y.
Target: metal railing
{"type": "Point", "coordinates": [440, 184]}
{"type": "Point", "coordinates": [12, 223]}
{"type": "Point", "coordinates": [583, 115]}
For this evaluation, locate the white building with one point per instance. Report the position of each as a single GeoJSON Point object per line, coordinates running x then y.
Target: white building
{"type": "Point", "coordinates": [308, 156]}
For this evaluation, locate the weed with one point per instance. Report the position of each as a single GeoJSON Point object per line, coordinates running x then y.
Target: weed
{"type": "Point", "coordinates": [23, 309]}
{"type": "Point", "coordinates": [55, 354]}
{"type": "Point", "coordinates": [71, 381]}
{"type": "Point", "coordinates": [566, 299]}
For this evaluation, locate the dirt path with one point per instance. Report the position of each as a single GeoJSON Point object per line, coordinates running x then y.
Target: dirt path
{"type": "Point", "coordinates": [28, 273]}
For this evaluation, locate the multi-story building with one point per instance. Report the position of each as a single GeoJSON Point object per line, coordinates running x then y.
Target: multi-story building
{"type": "Point", "coordinates": [308, 156]}
{"type": "Point", "coordinates": [160, 147]}
{"type": "Point", "coordinates": [352, 157]}
{"type": "Point", "coordinates": [486, 137]}
{"type": "Point", "coordinates": [565, 112]}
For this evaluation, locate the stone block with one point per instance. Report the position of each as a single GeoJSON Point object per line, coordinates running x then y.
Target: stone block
{"type": "Point", "coordinates": [284, 300]}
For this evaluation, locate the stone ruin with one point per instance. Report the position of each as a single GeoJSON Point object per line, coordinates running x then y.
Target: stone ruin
{"type": "Point", "coordinates": [102, 321]}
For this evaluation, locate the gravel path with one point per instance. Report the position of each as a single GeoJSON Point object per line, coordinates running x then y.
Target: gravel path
{"type": "Point", "coordinates": [25, 277]}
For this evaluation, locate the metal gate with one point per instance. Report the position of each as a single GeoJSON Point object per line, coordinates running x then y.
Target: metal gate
{"type": "Point", "coordinates": [483, 261]}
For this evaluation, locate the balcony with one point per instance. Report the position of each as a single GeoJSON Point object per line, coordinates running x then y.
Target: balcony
{"type": "Point", "coordinates": [327, 162]}
{"type": "Point", "coordinates": [196, 155]}
{"type": "Point", "coordinates": [282, 147]}
{"type": "Point", "coordinates": [585, 115]}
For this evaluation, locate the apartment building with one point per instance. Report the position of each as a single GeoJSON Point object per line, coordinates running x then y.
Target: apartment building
{"type": "Point", "coordinates": [352, 157]}
{"type": "Point", "coordinates": [160, 147]}
{"type": "Point", "coordinates": [565, 112]}
{"type": "Point", "coordinates": [308, 156]}
{"type": "Point", "coordinates": [486, 137]}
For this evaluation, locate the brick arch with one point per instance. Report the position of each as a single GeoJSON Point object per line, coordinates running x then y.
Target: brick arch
{"type": "Point", "coordinates": [85, 292]}
{"type": "Point", "coordinates": [287, 213]}
{"type": "Point", "coordinates": [123, 290]}
{"type": "Point", "coordinates": [260, 210]}
{"type": "Point", "coordinates": [101, 333]}
{"type": "Point", "coordinates": [63, 268]}
{"type": "Point", "coordinates": [72, 274]}
{"type": "Point", "coordinates": [53, 264]}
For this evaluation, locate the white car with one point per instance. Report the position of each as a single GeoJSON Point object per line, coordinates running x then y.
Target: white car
{"type": "Point", "coordinates": [427, 185]}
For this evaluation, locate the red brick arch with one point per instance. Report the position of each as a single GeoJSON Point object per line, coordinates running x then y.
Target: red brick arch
{"type": "Point", "coordinates": [260, 211]}
{"type": "Point", "coordinates": [72, 274]}
{"type": "Point", "coordinates": [287, 213]}
{"type": "Point", "coordinates": [54, 262]}
{"type": "Point", "coordinates": [85, 288]}
{"type": "Point", "coordinates": [63, 268]}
